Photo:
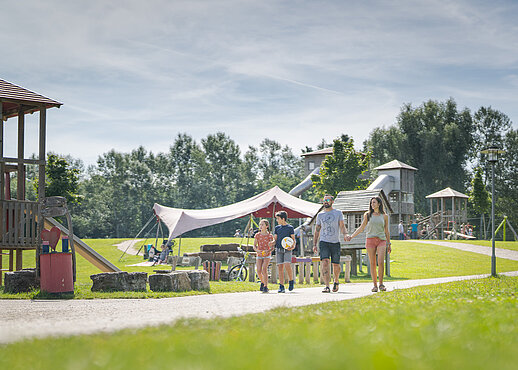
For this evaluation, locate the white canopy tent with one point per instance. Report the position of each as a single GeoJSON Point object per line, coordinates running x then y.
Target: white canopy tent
{"type": "Point", "coordinates": [180, 221]}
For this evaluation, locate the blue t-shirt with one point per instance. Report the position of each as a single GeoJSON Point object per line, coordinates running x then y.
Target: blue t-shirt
{"type": "Point", "coordinates": [282, 231]}
{"type": "Point", "coordinates": [414, 227]}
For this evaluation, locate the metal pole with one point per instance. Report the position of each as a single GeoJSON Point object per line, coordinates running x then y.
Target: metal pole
{"type": "Point", "coordinates": [493, 255]}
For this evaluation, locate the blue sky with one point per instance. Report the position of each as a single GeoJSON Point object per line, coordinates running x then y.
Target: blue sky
{"type": "Point", "coordinates": [133, 73]}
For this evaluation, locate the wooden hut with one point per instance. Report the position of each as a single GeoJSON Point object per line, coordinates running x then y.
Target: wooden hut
{"type": "Point", "coordinates": [19, 226]}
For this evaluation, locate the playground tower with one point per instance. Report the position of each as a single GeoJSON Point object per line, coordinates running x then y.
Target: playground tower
{"type": "Point", "coordinates": [396, 179]}
{"type": "Point", "coordinates": [19, 226]}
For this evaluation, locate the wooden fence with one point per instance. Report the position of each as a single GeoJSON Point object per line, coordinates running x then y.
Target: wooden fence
{"type": "Point", "coordinates": [18, 224]}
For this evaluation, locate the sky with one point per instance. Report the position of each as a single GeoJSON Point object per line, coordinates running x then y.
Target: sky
{"type": "Point", "coordinates": [133, 73]}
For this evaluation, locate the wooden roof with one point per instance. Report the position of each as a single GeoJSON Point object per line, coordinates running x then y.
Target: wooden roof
{"type": "Point", "coordinates": [447, 193]}
{"type": "Point", "coordinates": [394, 165]}
{"type": "Point", "coordinates": [12, 96]}
{"type": "Point", "coordinates": [358, 200]}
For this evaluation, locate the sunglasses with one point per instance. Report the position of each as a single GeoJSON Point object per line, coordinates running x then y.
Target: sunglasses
{"type": "Point", "coordinates": [328, 200]}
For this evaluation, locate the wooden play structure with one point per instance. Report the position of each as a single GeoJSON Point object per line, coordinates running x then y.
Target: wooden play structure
{"type": "Point", "coordinates": [447, 216]}
{"type": "Point", "coordinates": [20, 228]}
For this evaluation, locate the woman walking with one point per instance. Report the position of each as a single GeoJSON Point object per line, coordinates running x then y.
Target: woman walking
{"type": "Point", "coordinates": [262, 246]}
{"type": "Point", "coordinates": [378, 239]}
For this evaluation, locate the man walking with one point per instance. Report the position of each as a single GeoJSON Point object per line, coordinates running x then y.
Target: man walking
{"type": "Point", "coordinates": [283, 255]}
{"type": "Point", "coordinates": [328, 226]}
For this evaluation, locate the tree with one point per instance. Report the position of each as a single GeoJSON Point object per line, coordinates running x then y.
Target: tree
{"type": "Point", "coordinates": [491, 128]}
{"type": "Point", "coordinates": [506, 179]}
{"type": "Point", "coordinates": [222, 156]}
{"type": "Point", "coordinates": [479, 197]}
{"type": "Point", "coordinates": [340, 170]}
{"type": "Point", "coordinates": [62, 179]}
{"type": "Point", "coordinates": [436, 138]}
{"type": "Point", "coordinates": [276, 165]}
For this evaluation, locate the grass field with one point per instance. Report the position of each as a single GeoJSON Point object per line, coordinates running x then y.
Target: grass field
{"type": "Point", "coordinates": [409, 261]}
{"type": "Point", "coordinates": [487, 243]}
{"type": "Point", "coordinates": [460, 325]}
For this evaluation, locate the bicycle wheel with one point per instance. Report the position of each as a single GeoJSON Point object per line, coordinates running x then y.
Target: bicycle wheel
{"type": "Point", "coordinates": [238, 273]}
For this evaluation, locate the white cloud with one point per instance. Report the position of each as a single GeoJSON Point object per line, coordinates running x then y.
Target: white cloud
{"type": "Point", "coordinates": [138, 74]}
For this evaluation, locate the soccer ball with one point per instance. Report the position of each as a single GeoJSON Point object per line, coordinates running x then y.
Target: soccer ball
{"type": "Point", "coordinates": [287, 243]}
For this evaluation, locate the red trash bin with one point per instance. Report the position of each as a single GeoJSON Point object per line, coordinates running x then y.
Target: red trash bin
{"type": "Point", "coordinates": [56, 273]}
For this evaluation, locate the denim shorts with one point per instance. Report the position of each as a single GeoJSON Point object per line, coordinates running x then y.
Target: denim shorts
{"type": "Point", "coordinates": [282, 256]}
{"type": "Point", "coordinates": [330, 250]}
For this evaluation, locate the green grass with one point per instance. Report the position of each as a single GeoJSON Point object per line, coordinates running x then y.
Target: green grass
{"type": "Point", "coordinates": [487, 243]}
{"type": "Point", "coordinates": [460, 325]}
{"type": "Point", "coordinates": [409, 261]}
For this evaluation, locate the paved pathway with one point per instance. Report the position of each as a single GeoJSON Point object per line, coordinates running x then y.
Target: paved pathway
{"type": "Point", "coordinates": [21, 319]}
{"type": "Point", "coordinates": [499, 252]}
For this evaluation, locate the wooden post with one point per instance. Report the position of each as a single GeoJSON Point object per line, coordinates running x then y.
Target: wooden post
{"type": "Point", "coordinates": [307, 272]}
{"type": "Point", "coordinates": [42, 156]}
{"type": "Point", "coordinates": [251, 270]}
{"type": "Point", "coordinates": [174, 261]}
{"type": "Point", "coordinates": [301, 272]}
{"type": "Point", "coordinates": [347, 270]}
{"type": "Point", "coordinates": [1, 250]}
{"type": "Point", "coordinates": [273, 276]}
{"type": "Point", "coordinates": [20, 189]}
{"type": "Point", "coordinates": [316, 263]}
{"type": "Point", "coordinates": [19, 260]}
{"type": "Point", "coordinates": [11, 260]}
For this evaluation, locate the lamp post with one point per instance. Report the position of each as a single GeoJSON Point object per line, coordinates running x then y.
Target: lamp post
{"type": "Point", "coordinates": [492, 157]}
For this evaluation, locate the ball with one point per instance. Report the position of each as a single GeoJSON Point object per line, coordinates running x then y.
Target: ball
{"type": "Point", "coordinates": [287, 242]}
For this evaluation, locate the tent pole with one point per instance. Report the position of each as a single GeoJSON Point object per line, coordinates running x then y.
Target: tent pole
{"type": "Point", "coordinates": [147, 223]}
{"type": "Point", "coordinates": [179, 245]}
{"type": "Point", "coordinates": [273, 216]}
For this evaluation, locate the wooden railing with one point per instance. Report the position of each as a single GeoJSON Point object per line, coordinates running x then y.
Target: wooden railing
{"type": "Point", "coordinates": [18, 224]}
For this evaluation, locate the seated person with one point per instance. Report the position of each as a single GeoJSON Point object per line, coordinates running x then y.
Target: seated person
{"type": "Point", "coordinates": [162, 258]}
{"type": "Point", "coordinates": [152, 253]}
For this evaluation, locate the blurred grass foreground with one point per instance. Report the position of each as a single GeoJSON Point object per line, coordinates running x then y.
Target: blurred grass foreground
{"type": "Point", "coordinates": [460, 325]}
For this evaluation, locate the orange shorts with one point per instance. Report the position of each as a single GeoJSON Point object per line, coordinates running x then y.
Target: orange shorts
{"type": "Point", "coordinates": [375, 242]}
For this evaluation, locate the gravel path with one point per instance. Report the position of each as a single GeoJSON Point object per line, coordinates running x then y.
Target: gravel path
{"type": "Point", "coordinates": [500, 252]}
{"type": "Point", "coordinates": [22, 319]}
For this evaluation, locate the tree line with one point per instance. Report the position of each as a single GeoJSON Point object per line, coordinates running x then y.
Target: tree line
{"type": "Point", "coordinates": [114, 197]}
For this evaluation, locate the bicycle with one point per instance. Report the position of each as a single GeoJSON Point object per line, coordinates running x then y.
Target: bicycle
{"type": "Point", "coordinates": [239, 272]}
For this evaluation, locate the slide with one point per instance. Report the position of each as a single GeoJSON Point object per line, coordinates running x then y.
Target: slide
{"type": "Point", "coordinates": [83, 249]}
{"type": "Point", "coordinates": [384, 182]}
{"type": "Point", "coordinates": [304, 184]}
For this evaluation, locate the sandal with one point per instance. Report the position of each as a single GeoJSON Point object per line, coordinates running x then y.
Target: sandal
{"type": "Point", "coordinates": [375, 289]}
{"type": "Point", "coordinates": [335, 287]}
{"type": "Point", "coordinates": [382, 288]}
{"type": "Point", "coordinates": [326, 290]}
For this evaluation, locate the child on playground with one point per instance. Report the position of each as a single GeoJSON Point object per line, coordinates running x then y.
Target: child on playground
{"type": "Point", "coordinates": [262, 246]}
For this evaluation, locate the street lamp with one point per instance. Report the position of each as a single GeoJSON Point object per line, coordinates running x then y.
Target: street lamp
{"type": "Point", "coordinates": [492, 157]}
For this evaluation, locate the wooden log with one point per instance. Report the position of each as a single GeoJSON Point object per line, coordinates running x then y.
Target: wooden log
{"type": "Point", "coordinates": [301, 272]}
